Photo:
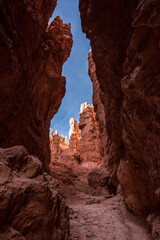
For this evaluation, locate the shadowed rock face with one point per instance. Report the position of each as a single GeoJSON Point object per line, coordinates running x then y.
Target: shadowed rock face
{"type": "Point", "coordinates": [31, 84]}
{"type": "Point", "coordinates": [99, 108]}
{"type": "Point", "coordinates": [125, 45]}
{"type": "Point", "coordinates": [30, 207]}
{"type": "Point", "coordinates": [109, 54]}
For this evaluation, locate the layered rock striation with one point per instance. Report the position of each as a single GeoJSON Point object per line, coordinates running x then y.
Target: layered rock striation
{"type": "Point", "coordinates": [31, 86]}
{"type": "Point", "coordinates": [90, 143]}
{"type": "Point", "coordinates": [56, 146]}
{"type": "Point", "coordinates": [74, 137]}
{"type": "Point", "coordinates": [125, 39]}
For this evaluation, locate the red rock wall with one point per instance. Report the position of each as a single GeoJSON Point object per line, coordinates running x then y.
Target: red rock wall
{"type": "Point", "coordinates": [125, 44]}
{"type": "Point", "coordinates": [30, 207]}
{"type": "Point", "coordinates": [90, 142]}
{"type": "Point", "coordinates": [31, 85]}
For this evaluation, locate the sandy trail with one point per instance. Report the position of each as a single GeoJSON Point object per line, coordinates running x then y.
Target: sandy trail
{"type": "Point", "coordinates": [98, 218]}
{"type": "Point", "coordinates": [96, 214]}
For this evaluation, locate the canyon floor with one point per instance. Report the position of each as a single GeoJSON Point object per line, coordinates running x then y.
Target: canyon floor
{"type": "Point", "coordinates": [98, 215]}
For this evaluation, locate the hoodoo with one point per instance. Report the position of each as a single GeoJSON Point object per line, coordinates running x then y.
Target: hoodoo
{"type": "Point", "coordinates": [90, 144]}
{"type": "Point", "coordinates": [84, 141]}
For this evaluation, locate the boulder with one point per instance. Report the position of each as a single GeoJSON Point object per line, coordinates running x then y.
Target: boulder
{"type": "Point", "coordinates": [98, 178]}
{"type": "Point", "coordinates": [30, 207]}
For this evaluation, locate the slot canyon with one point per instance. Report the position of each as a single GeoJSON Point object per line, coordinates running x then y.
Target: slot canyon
{"type": "Point", "coordinates": [104, 183]}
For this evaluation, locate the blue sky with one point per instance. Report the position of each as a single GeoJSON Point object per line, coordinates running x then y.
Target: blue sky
{"type": "Point", "coordinates": [75, 69]}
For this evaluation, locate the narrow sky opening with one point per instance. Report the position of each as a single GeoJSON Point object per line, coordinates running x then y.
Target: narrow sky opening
{"type": "Point", "coordinates": [79, 86]}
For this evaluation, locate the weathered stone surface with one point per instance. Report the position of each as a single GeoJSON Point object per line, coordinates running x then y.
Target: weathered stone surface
{"type": "Point", "coordinates": [31, 85]}
{"type": "Point", "coordinates": [61, 150]}
{"type": "Point", "coordinates": [98, 178]}
{"type": "Point", "coordinates": [153, 221]}
{"type": "Point", "coordinates": [140, 110]}
{"type": "Point", "coordinates": [84, 147]}
{"type": "Point", "coordinates": [90, 143]}
{"type": "Point", "coordinates": [57, 144]}
{"type": "Point", "coordinates": [125, 45]}
{"type": "Point", "coordinates": [83, 152]}
{"type": "Point", "coordinates": [63, 170]}
{"type": "Point", "coordinates": [74, 137]}
{"type": "Point", "coordinates": [65, 156]}
{"type": "Point", "coordinates": [30, 207]}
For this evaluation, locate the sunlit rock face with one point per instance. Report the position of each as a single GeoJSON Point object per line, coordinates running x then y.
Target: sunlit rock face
{"type": "Point", "coordinates": [65, 156]}
{"type": "Point", "coordinates": [90, 143]}
{"type": "Point", "coordinates": [31, 86]}
{"type": "Point", "coordinates": [84, 149]}
{"type": "Point", "coordinates": [30, 207]}
{"type": "Point", "coordinates": [74, 137]}
{"type": "Point", "coordinates": [55, 147]}
{"type": "Point", "coordinates": [60, 149]}
{"type": "Point", "coordinates": [72, 162]}
{"type": "Point", "coordinates": [125, 45]}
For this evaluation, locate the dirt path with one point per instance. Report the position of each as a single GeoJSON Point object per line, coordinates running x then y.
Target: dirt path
{"type": "Point", "coordinates": [97, 215]}
{"type": "Point", "coordinates": [98, 218]}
